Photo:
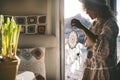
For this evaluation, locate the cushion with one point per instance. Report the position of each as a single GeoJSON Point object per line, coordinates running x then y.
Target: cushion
{"type": "Point", "coordinates": [32, 59]}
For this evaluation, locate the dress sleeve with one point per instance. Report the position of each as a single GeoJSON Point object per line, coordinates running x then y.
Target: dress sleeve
{"type": "Point", "coordinates": [107, 36]}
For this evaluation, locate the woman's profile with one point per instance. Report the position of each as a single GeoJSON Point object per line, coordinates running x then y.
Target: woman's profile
{"type": "Point", "coordinates": [100, 41]}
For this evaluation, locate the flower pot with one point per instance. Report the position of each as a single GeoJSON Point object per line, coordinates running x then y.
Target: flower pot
{"type": "Point", "coordinates": [8, 70]}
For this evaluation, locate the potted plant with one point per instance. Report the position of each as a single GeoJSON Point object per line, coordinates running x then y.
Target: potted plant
{"type": "Point", "coordinates": [9, 32]}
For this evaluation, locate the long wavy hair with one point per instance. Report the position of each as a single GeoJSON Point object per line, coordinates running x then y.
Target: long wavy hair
{"type": "Point", "coordinates": [103, 11]}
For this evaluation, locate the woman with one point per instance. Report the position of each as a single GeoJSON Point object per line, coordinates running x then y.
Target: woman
{"type": "Point", "coordinates": [100, 41]}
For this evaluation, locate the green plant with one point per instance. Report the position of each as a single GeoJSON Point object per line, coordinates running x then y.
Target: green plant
{"type": "Point", "coordinates": [10, 32]}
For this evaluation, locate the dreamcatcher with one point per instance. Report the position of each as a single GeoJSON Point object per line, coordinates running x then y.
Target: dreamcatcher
{"type": "Point", "coordinates": [73, 38]}
{"type": "Point", "coordinates": [74, 50]}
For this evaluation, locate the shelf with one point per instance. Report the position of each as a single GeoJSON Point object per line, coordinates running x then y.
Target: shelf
{"type": "Point", "coordinates": [26, 41]}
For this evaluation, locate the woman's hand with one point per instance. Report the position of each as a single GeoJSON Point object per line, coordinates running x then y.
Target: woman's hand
{"type": "Point", "coordinates": [77, 23]}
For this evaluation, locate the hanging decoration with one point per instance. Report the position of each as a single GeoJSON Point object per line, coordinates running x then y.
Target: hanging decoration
{"type": "Point", "coordinates": [73, 38]}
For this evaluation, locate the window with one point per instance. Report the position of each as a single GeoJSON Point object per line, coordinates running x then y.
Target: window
{"type": "Point", "coordinates": [75, 55]}
{"type": "Point", "coordinates": [73, 62]}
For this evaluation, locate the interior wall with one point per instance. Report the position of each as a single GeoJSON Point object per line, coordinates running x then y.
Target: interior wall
{"type": "Point", "coordinates": [50, 8]}
{"type": "Point", "coordinates": [23, 7]}
{"type": "Point", "coordinates": [55, 30]}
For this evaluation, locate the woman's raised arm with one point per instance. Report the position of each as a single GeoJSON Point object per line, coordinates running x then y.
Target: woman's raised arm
{"type": "Point", "coordinates": [90, 36]}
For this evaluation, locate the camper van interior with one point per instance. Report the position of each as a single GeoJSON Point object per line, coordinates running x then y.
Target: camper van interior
{"type": "Point", "coordinates": [42, 30]}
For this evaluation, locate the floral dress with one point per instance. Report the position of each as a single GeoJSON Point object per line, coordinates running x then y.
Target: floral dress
{"type": "Point", "coordinates": [102, 56]}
